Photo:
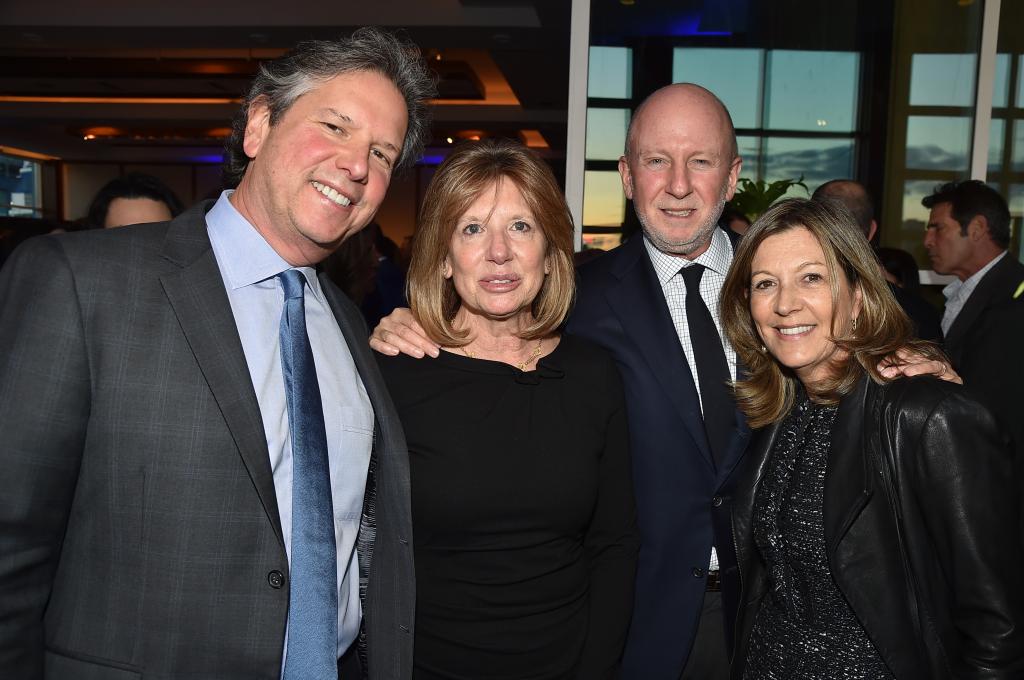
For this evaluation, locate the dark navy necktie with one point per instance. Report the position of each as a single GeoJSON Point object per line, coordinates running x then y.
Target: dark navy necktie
{"type": "Point", "coordinates": [711, 367]}
{"type": "Point", "coordinates": [312, 651]}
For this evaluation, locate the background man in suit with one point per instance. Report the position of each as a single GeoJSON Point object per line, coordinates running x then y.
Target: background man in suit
{"type": "Point", "coordinates": [855, 198]}
{"type": "Point", "coordinates": [983, 323]}
{"type": "Point", "coordinates": [167, 487]}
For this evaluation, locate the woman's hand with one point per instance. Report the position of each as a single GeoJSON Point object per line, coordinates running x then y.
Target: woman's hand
{"type": "Point", "coordinates": [400, 332]}
{"type": "Point", "coordinates": [908, 363]}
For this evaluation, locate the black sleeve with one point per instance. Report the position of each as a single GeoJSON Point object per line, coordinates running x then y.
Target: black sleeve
{"type": "Point", "coordinates": [44, 409]}
{"type": "Point", "coordinates": [612, 543]}
{"type": "Point", "coordinates": [963, 484]}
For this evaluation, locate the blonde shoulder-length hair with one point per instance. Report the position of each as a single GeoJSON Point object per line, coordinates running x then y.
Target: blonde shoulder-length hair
{"type": "Point", "coordinates": [473, 168]}
{"type": "Point", "coordinates": [766, 393]}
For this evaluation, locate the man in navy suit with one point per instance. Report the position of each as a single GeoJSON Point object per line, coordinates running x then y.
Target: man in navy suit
{"type": "Point", "coordinates": [679, 169]}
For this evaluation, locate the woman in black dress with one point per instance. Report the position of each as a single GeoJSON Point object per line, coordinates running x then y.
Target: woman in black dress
{"type": "Point", "coordinates": [523, 519]}
{"type": "Point", "coordinates": [876, 521]}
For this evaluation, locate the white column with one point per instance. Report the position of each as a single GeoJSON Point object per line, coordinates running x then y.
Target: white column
{"type": "Point", "coordinates": [986, 84]}
{"type": "Point", "coordinates": [576, 125]}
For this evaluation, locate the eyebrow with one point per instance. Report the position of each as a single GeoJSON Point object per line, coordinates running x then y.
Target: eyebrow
{"type": "Point", "coordinates": [524, 217]}
{"type": "Point", "coordinates": [800, 266]}
{"type": "Point", "coordinates": [339, 114]}
{"type": "Point", "coordinates": [348, 121]}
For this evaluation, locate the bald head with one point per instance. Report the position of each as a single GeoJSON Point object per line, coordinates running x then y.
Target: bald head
{"type": "Point", "coordinates": [680, 167]}
{"type": "Point", "coordinates": [854, 197]}
{"type": "Point", "coordinates": [682, 101]}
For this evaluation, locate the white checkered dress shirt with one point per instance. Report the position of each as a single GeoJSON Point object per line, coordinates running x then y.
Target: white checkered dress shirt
{"type": "Point", "coordinates": [716, 260]}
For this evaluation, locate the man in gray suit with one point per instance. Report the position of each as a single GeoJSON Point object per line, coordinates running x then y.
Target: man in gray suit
{"type": "Point", "coordinates": [146, 438]}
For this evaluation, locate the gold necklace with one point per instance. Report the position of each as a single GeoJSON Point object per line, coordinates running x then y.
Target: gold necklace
{"type": "Point", "coordinates": [522, 366]}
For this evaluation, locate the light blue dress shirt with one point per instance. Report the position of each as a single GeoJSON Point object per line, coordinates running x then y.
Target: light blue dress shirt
{"type": "Point", "coordinates": [249, 267]}
{"type": "Point", "coordinates": [958, 292]}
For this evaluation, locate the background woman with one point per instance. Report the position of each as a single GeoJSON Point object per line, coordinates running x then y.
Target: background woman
{"type": "Point", "coordinates": [523, 517]}
{"type": "Point", "coordinates": [876, 526]}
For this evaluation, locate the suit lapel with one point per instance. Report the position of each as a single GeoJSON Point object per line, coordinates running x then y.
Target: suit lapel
{"type": "Point", "coordinates": [982, 297]}
{"type": "Point", "coordinates": [847, 485]}
{"type": "Point", "coordinates": [640, 306]}
{"type": "Point", "coordinates": [196, 293]}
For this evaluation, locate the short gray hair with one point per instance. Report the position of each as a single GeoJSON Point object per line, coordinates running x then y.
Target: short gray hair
{"type": "Point", "coordinates": [313, 62]}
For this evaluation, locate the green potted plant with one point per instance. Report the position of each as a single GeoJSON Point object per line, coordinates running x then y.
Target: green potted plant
{"type": "Point", "coordinates": [753, 197]}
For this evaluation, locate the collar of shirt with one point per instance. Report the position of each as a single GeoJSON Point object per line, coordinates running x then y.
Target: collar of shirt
{"type": "Point", "coordinates": [717, 258]}
{"type": "Point", "coordinates": [961, 290]}
{"type": "Point", "coordinates": [243, 254]}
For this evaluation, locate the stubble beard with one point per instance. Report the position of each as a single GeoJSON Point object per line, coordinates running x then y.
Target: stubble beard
{"type": "Point", "coordinates": [683, 248]}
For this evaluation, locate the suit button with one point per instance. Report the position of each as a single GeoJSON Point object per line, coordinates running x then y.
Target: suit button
{"type": "Point", "coordinates": [697, 572]}
{"type": "Point", "coordinates": [275, 579]}
{"type": "Point", "coordinates": [716, 501]}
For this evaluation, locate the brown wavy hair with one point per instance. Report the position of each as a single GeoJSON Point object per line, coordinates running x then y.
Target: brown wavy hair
{"type": "Point", "coordinates": [767, 391]}
{"type": "Point", "coordinates": [473, 168]}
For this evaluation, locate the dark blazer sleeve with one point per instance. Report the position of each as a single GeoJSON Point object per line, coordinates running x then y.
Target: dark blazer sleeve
{"type": "Point", "coordinates": [612, 543]}
{"type": "Point", "coordinates": [961, 480]}
{"type": "Point", "coordinates": [385, 534]}
{"type": "Point", "coordinates": [44, 408]}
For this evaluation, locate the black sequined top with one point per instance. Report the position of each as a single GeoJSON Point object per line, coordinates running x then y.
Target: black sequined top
{"type": "Point", "coordinates": [805, 629]}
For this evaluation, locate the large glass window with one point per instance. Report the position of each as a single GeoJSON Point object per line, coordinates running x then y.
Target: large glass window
{"type": "Point", "coordinates": [611, 73]}
{"type": "Point", "coordinates": [19, 187]}
{"type": "Point", "coordinates": [609, 93]}
{"type": "Point", "coordinates": [735, 75]}
{"type": "Point", "coordinates": [812, 91]}
{"type": "Point", "coordinates": [606, 133]}
{"type": "Point", "coordinates": [795, 110]}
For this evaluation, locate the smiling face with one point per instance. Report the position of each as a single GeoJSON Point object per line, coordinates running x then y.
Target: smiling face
{"type": "Point", "coordinates": [320, 173]}
{"type": "Point", "coordinates": [497, 259]}
{"type": "Point", "coordinates": [791, 304]}
{"type": "Point", "coordinates": [680, 169]}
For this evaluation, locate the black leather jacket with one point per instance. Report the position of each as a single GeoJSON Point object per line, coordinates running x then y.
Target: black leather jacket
{"type": "Point", "coordinates": [941, 592]}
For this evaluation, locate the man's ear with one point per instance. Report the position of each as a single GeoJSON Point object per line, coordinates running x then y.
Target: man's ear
{"type": "Point", "coordinates": [734, 176]}
{"type": "Point", "coordinates": [977, 228]}
{"type": "Point", "coordinates": [257, 127]}
{"type": "Point", "coordinates": [627, 177]}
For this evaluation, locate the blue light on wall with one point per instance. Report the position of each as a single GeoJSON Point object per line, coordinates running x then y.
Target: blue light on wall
{"type": "Point", "coordinates": [212, 158]}
{"type": "Point", "coordinates": [689, 24]}
{"type": "Point", "coordinates": [432, 159]}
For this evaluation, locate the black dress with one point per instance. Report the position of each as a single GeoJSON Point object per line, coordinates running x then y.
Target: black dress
{"type": "Point", "coordinates": [805, 629]}
{"type": "Point", "coordinates": [523, 516]}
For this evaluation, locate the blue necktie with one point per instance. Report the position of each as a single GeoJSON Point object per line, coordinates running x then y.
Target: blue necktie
{"type": "Point", "coordinates": [312, 652]}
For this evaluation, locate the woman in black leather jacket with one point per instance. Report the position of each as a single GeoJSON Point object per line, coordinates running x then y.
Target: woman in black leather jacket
{"type": "Point", "coordinates": [876, 520]}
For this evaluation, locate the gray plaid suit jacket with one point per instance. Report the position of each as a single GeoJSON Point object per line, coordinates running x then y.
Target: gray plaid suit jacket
{"type": "Point", "coordinates": [139, 529]}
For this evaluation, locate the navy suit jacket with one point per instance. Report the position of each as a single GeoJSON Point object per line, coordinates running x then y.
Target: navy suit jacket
{"type": "Point", "coordinates": [682, 498]}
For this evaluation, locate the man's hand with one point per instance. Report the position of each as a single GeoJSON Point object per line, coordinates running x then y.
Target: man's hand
{"type": "Point", "coordinates": [908, 363]}
{"type": "Point", "coordinates": [400, 332]}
